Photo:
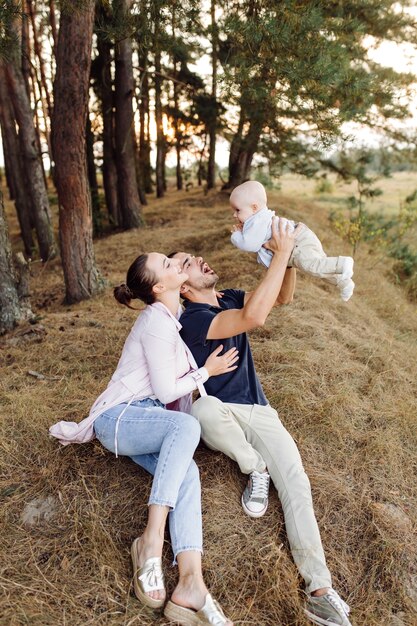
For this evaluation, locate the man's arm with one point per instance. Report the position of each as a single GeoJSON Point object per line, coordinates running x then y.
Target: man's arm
{"type": "Point", "coordinates": [286, 294]}
{"type": "Point", "coordinates": [257, 308]}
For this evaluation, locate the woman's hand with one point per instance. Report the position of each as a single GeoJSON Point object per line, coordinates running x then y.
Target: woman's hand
{"type": "Point", "coordinates": [222, 364]}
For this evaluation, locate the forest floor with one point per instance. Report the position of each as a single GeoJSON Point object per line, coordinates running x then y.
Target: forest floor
{"type": "Point", "coordinates": [343, 377]}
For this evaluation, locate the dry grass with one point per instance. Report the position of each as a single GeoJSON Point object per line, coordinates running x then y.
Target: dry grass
{"type": "Point", "coordinates": [343, 378]}
{"type": "Point", "coordinates": [395, 190]}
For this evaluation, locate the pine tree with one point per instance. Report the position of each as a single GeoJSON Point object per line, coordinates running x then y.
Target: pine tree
{"type": "Point", "coordinates": [297, 64]}
{"type": "Point", "coordinates": [14, 305]}
{"type": "Point", "coordinates": [71, 91]}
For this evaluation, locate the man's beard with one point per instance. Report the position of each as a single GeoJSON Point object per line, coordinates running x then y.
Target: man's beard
{"type": "Point", "coordinates": [206, 281]}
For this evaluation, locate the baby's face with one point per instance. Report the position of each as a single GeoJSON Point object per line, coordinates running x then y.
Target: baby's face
{"type": "Point", "coordinates": [242, 211]}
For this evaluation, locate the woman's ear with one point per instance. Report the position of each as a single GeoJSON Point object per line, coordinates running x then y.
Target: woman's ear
{"type": "Point", "coordinates": [184, 289]}
{"type": "Point", "coordinates": [158, 288]}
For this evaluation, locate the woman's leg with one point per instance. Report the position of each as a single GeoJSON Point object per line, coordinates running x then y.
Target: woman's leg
{"type": "Point", "coordinates": [163, 442]}
{"type": "Point", "coordinates": [186, 537]}
{"type": "Point", "coordinates": [146, 430]}
{"type": "Point", "coordinates": [191, 594]}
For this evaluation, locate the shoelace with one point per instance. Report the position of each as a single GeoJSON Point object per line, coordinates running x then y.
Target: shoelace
{"type": "Point", "coordinates": [337, 602]}
{"type": "Point", "coordinates": [260, 485]}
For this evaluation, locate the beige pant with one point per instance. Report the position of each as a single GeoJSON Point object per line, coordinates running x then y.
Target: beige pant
{"type": "Point", "coordinates": [308, 255]}
{"type": "Point", "coordinates": [255, 438]}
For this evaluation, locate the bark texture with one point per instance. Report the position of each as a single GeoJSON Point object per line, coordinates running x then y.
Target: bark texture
{"type": "Point", "coordinates": [32, 160]}
{"type": "Point", "coordinates": [109, 163]}
{"type": "Point", "coordinates": [71, 88]}
{"type": "Point", "coordinates": [13, 160]}
{"type": "Point", "coordinates": [130, 207]}
{"type": "Point", "coordinates": [13, 307]}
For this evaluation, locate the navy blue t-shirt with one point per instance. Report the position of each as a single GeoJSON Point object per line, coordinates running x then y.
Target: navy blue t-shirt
{"type": "Point", "coordinates": [240, 386]}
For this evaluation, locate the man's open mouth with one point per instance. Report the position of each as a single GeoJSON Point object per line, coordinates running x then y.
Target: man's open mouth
{"type": "Point", "coordinates": [206, 269]}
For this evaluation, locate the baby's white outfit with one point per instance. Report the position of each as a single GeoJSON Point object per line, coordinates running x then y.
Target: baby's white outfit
{"type": "Point", "coordinates": [308, 254]}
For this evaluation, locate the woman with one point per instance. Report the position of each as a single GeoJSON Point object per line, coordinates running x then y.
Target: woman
{"type": "Point", "coordinates": [130, 418]}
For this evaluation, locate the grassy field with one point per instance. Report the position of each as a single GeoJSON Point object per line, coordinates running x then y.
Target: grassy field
{"type": "Point", "coordinates": [395, 190]}
{"type": "Point", "coordinates": [342, 376]}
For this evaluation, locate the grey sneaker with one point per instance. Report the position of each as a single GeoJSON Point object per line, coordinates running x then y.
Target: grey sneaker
{"type": "Point", "coordinates": [328, 610]}
{"type": "Point", "coordinates": [255, 496]}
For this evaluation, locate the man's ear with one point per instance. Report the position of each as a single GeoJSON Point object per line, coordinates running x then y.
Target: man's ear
{"type": "Point", "coordinates": [184, 289]}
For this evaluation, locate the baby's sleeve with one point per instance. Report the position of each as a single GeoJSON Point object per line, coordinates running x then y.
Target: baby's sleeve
{"type": "Point", "coordinates": [251, 238]}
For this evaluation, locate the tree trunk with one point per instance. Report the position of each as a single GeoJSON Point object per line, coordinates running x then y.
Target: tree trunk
{"type": "Point", "coordinates": [109, 163]}
{"type": "Point", "coordinates": [52, 21]}
{"type": "Point", "coordinates": [26, 69]}
{"type": "Point", "coordinates": [15, 173]}
{"type": "Point", "coordinates": [71, 90]}
{"type": "Point", "coordinates": [32, 161]}
{"type": "Point", "coordinates": [92, 179]}
{"type": "Point", "coordinates": [144, 152]}
{"type": "Point", "coordinates": [144, 137]}
{"type": "Point", "coordinates": [13, 305]}
{"type": "Point", "coordinates": [200, 169]}
{"type": "Point", "coordinates": [130, 206]}
{"type": "Point", "coordinates": [177, 133]}
{"type": "Point", "coordinates": [243, 162]}
{"type": "Point", "coordinates": [44, 91]}
{"type": "Point", "coordinates": [211, 167]}
{"type": "Point", "coordinates": [29, 73]}
{"type": "Point", "coordinates": [160, 140]}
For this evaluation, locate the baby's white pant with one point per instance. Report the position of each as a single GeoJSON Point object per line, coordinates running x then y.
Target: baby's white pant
{"type": "Point", "coordinates": [308, 256]}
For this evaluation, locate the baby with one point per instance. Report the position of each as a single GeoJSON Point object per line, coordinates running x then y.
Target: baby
{"type": "Point", "coordinates": [253, 229]}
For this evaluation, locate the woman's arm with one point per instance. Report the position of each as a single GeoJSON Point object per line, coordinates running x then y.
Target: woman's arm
{"type": "Point", "coordinates": [160, 353]}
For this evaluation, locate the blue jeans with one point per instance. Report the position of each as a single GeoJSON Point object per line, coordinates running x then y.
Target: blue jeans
{"type": "Point", "coordinates": [163, 443]}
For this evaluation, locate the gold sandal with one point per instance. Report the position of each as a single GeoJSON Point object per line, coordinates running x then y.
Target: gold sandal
{"type": "Point", "coordinates": [211, 614]}
{"type": "Point", "coordinates": [147, 578]}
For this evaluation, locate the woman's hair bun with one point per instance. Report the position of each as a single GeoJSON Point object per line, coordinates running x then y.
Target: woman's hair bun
{"type": "Point", "coordinates": [123, 294]}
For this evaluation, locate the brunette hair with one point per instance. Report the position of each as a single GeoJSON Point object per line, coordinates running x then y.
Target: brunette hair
{"type": "Point", "coordinates": [139, 282]}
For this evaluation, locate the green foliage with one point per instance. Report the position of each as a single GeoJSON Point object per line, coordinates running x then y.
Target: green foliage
{"type": "Point", "coordinates": [263, 175]}
{"type": "Point", "coordinates": [356, 224]}
{"type": "Point", "coordinates": [291, 65]}
{"type": "Point", "coordinates": [323, 185]}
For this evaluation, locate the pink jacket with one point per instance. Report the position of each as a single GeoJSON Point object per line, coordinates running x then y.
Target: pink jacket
{"type": "Point", "coordinates": [155, 363]}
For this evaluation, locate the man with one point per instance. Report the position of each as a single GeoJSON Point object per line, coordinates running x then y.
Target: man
{"type": "Point", "coordinates": [236, 418]}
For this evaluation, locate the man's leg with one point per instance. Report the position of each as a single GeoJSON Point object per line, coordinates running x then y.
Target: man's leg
{"type": "Point", "coordinates": [221, 430]}
{"type": "Point", "coordinates": [266, 433]}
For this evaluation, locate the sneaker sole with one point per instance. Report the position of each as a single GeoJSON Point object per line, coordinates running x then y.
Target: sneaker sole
{"type": "Point", "coordinates": [320, 621]}
{"type": "Point", "coordinates": [251, 513]}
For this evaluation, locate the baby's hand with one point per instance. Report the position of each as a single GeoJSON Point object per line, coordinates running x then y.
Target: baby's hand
{"type": "Point", "coordinates": [236, 227]}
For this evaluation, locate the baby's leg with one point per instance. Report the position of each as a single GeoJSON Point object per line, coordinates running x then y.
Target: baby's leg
{"type": "Point", "coordinates": [310, 257]}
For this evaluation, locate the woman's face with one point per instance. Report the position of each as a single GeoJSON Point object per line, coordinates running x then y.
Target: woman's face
{"type": "Point", "coordinates": [168, 272]}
